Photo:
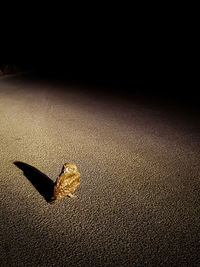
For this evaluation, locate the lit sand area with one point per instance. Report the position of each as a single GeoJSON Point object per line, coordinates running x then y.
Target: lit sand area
{"type": "Point", "coordinates": [138, 202]}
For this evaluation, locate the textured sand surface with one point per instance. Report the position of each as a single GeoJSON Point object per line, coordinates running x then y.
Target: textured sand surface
{"type": "Point", "coordinates": [139, 199]}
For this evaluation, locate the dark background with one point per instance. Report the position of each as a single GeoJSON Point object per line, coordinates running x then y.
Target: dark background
{"type": "Point", "coordinates": [150, 50]}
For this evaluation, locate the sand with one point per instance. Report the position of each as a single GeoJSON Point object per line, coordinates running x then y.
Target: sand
{"type": "Point", "coordinates": [139, 199]}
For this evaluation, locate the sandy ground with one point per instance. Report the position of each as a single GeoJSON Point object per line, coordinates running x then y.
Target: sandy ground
{"type": "Point", "coordinates": [139, 199]}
